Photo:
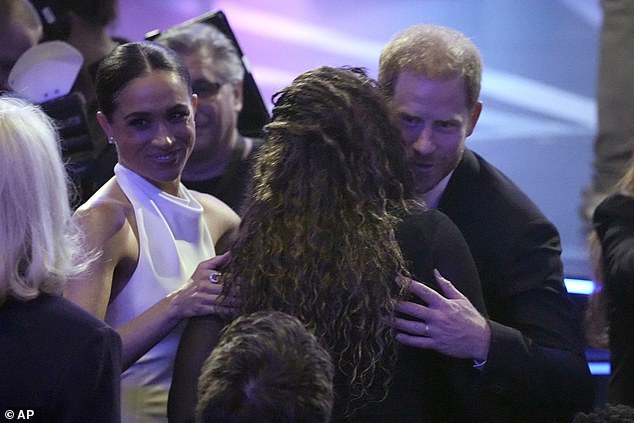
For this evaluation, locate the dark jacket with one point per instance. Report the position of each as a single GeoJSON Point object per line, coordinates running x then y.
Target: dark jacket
{"type": "Point", "coordinates": [536, 368]}
{"type": "Point", "coordinates": [59, 362]}
{"type": "Point", "coordinates": [614, 224]}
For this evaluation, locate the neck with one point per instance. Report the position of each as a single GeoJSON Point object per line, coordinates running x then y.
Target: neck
{"type": "Point", "coordinates": [433, 196]}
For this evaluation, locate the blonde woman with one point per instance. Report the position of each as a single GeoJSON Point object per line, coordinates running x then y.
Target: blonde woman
{"type": "Point", "coordinates": [58, 363]}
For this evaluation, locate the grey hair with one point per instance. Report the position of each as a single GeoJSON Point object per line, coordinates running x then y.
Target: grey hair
{"type": "Point", "coordinates": [191, 38]}
{"type": "Point", "coordinates": [40, 246]}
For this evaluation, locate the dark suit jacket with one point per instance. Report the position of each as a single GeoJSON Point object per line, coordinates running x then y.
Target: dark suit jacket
{"type": "Point", "coordinates": [427, 386]}
{"type": "Point", "coordinates": [614, 224]}
{"type": "Point", "coordinates": [536, 369]}
{"type": "Point", "coordinates": [58, 361]}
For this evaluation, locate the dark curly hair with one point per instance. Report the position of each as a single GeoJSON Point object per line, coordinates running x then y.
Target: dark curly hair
{"type": "Point", "coordinates": [317, 237]}
{"type": "Point", "coordinates": [266, 368]}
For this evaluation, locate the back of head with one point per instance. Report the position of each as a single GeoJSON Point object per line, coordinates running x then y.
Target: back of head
{"type": "Point", "coordinates": [20, 29]}
{"type": "Point", "coordinates": [340, 148]}
{"type": "Point", "coordinates": [99, 13]}
{"type": "Point", "coordinates": [36, 249]}
{"type": "Point", "coordinates": [58, 23]}
{"type": "Point", "coordinates": [267, 368]}
{"type": "Point", "coordinates": [318, 223]}
{"type": "Point", "coordinates": [130, 61]}
{"type": "Point", "coordinates": [435, 52]}
{"type": "Point", "coordinates": [197, 37]}
{"type": "Point", "coordinates": [609, 413]}
{"type": "Point", "coordinates": [21, 12]}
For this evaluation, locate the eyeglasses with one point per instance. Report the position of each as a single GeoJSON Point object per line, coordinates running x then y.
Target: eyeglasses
{"type": "Point", "coordinates": [206, 89]}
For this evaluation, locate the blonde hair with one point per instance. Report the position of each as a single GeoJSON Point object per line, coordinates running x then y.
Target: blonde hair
{"type": "Point", "coordinates": [39, 243]}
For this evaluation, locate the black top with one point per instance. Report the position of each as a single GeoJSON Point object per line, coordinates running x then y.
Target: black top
{"type": "Point", "coordinates": [231, 186]}
{"type": "Point", "coordinates": [614, 224]}
{"type": "Point", "coordinates": [536, 369]}
{"type": "Point", "coordinates": [58, 361]}
{"type": "Point", "coordinates": [426, 386]}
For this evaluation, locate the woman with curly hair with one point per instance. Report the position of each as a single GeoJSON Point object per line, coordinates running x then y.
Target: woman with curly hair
{"type": "Point", "coordinates": [329, 234]}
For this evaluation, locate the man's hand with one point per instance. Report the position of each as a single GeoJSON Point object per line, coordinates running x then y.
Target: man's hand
{"type": "Point", "coordinates": [450, 325]}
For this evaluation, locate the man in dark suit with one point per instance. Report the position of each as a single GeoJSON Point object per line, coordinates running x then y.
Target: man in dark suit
{"type": "Point", "coordinates": [531, 352]}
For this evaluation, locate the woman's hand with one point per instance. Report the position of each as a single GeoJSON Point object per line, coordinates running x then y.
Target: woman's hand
{"type": "Point", "coordinates": [201, 295]}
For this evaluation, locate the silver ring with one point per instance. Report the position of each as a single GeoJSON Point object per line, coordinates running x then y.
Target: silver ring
{"type": "Point", "coordinates": [215, 277]}
{"type": "Point", "coordinates": [426, 329]}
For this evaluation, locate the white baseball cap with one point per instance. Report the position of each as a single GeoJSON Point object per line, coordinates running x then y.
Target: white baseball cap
{"type": "Point", "coordinates": [46, 71]}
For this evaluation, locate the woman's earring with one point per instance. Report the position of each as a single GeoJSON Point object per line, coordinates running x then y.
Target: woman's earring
{"type": "Point", "coordinates": [110, 140]}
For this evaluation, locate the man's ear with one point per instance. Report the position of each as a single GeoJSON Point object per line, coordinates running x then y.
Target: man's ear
{"type": "Point", "coordinates": [105, 125]}
{"type": "Point", "coordinates": [238, 97]}
{"type": "Point", "coordinates": [474, 115]}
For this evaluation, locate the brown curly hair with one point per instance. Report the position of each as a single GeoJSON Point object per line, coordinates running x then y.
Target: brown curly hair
{"type": "Point", "coordinates": [317, 237]}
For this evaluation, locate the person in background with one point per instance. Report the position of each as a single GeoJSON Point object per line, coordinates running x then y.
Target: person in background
{"type": "Point", "coordinates": [267, 368]}
{"type": "Point", "coordinates": [86, 25]}
{"type": "Point", "coordinates": [532, 363]}
{"type": "Point", "coordinates": [614, 140]}
{"type": "Point", "coordinates": [59, 363]}
{"type": "Point", "coordinates": [20, 29]}
{"type": "Point", "coordinates": [221, 160]}
{"type": "Point", "coordinates": [329, 236]}
{"type": "Point", "coordinates": [607, 414]}
{"type": "Point", "coordinates": [155, 237]}
{"type": "Point", "coordinates": [614, 230]}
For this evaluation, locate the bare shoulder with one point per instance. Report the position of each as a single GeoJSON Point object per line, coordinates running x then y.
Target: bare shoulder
{"type": "Point", "coordinates": [216, 209]}
{"type": "Point", "coordinates": [221, 220]}
{"type": "Point", "coordinates": [105, 214]}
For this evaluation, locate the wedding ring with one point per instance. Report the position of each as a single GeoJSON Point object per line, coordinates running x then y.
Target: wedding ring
{"type": "Point", "coordinates": [215, 277]}
{"type": "Point", "coordinates": [426, 329]}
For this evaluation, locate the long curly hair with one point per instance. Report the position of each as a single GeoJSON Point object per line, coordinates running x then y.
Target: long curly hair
{"type": "Point", "coordinates": [317, 236]}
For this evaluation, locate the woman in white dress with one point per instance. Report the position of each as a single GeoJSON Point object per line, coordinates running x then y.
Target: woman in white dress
{"type": "Point", "coordinates": [155, 237]}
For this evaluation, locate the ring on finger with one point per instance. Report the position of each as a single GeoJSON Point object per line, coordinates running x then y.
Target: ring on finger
{"type": "Point", "coordinates": [215, 277]}
{"type": "Point", "coordinates": [426, 329]}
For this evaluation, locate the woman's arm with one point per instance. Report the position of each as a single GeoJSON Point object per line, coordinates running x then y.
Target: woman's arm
{"type": "Point", "coordinates": [107, 230]}
{"type": "Point", "coordinates": [198, 340]}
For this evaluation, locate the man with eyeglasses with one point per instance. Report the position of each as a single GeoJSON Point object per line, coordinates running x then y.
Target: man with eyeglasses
{"type": "Point", "coordinates": [220, 162]}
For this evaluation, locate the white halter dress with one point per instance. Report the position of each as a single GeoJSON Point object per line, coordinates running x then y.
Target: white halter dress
{"type": "Point", "coordinates": [173, 239]}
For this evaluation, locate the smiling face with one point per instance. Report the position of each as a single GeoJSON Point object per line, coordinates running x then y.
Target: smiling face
{"type": "Point", "coordinates": [435, 121]}
{"type": "Point", "coordinates": [153, 127]}
{"type": "Point", "coordinates": [219, 103]}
